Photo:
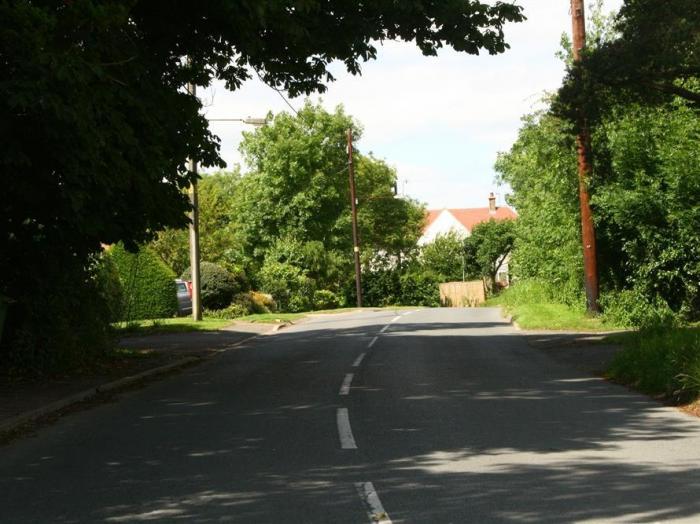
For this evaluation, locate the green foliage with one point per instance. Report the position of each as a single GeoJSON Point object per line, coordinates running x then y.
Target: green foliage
{"type": "Point", "coordinates": [292, 290]}
{"type": "Point", "coordinates": [148, 284]}
{"type": "Point", "coordinates": [541, 169]}
{"type": "Point", "coordinates": [110, 286]}
{"type": "Point", "coordinates": [326, 299]}
{"type": "Point", "coordinates": [649, 57]}
{"type": "Point", "coordinates": [219, 240]}
{"type": "Point", "coordinates": [255, 302]}
{"type": "Point", "coordinates": [230, 312]}
{"type": "Point", "coordinates": [632, 308]}
{"type": "Point", "coordinates": [647, 204]}
{"type": "Point", "coordinates": [536, 305]}
{"type": "Point", "coordinates": [446, 258]}
{"type": "Point", "coordinates": [419, 289]}
{"type": "Point", "coordinates": [96, 119]}
{"type": "Point", "coordinates": [391, 287]}
{"type": "Point", "coordinates": [489, 245]}
{"type": "Point", "coordinates": [661, 361]}
{"type": "Point", "coordinates": [64, 330]}
{"type": "Point", "coordinates": [218, 285]}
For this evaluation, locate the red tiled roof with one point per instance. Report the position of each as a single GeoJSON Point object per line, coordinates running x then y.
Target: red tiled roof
{"type": "Point", "coordinates": [471, 216]}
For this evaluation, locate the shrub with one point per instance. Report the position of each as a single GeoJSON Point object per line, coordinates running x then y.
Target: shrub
{"type": "Point", "coordinates": [148, 284]}
{"type": "Point", "coordinates": [230, 312]}
{"type": "Point", "coordinates": [61, 325]}
{"type": "Point", "coordinates": [110, 287]}
{"type": "Point", "coordinates": [326, 299]}
{"type": "Point", "coordinates": [661, 361]}
{"type": "Point", "coordinates": [218, 285]}
{"type": "Point", "coordinates": [292, 290]}
{"type": "Point", "coordinates": [420, 289]}
{"type": "Point", "coordinates": [380, 288]}
{"type": "Point", "coordinates": [630, 308]}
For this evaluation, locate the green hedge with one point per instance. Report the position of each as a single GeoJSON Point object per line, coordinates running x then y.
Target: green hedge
{"type": "Point", "coordinates": [148, 284]}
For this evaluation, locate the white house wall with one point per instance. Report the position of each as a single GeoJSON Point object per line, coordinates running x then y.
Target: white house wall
{"type": "Point", "coordinates": [443, 224]}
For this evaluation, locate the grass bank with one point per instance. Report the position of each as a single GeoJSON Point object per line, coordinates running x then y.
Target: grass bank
{"type": "Point", "coordinates": [532, 308]}
{"type": "Point", "coordinates": [662, 362]}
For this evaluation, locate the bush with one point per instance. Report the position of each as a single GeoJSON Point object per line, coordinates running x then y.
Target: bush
{"type": "Point", "coordinates": [218, 285]}
{"type": "Point", "coordinates": [110, 287]}
{"type": "Point", "coordinates": [326, 299]}
{"type": "Point", "coordinates": [230, 312]}
{"type": "Point", "coordinates": [255, 302]}
{"type": "Point", "coordinates": [380, 288]}
{"type": "Point", "coordinates": [420, 289]}
{"type": "Point", "coordinates": [62, 324]}
{"type": "Point", "coordinates": [292, 290]}
{"type": "Point", "coordinates": [148, 284]}
{"type": "Point", "coordinates": [661, 361]}
{"type": "Point", "coordinates": [630, 308]}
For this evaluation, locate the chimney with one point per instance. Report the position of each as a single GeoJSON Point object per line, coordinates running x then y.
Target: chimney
{"type": "Point", "coordinates": [492, 204]}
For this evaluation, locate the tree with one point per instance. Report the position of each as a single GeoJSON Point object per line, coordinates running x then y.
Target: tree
{"type": "Point", "coordinates": [220, 241]}
{"type": "Point", "coordinates": [490, 244]}
{"type": "Point", "coordinates": [649, 56]}
{"type": "Point", "coordinates": [96, 126]}
{"type": "Point", "coordinates": [294, 205]}
{"type": "Point", "coordinates": [446, 258]}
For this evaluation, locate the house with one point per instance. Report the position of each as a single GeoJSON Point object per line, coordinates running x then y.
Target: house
{"type": "Point", "coordinates": [462, 221]}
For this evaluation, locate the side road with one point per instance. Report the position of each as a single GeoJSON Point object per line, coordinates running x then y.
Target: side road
{"type": "Point", "coordinates": [23, 403]}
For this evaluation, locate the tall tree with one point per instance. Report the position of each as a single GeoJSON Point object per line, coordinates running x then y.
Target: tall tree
{"type": "Point", "coordinates": [95, 125]}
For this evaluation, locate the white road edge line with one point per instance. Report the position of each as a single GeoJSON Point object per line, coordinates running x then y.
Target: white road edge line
{"type": "Point", "coordinates": [347, 441]}
{"type": "Point", "coordinates": [375, 510]}
{"type": "Point", "coordinates": [372, 342]}
{"type": "Point", "coordinates": [398, 317]}
{"type": "Point", "coordinates": [359, 359]}
{"type": "Point", "coordinates": [345, 386]}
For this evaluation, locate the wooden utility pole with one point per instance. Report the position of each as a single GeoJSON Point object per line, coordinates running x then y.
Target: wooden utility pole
{"type": "Point", "coordinates": [355, 236]}
{"type": "Point", "coordinates": [583, 145]}
{"type": "Point", "coordinates": [194, 236]}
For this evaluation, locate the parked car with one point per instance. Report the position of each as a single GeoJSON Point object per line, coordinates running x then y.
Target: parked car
{"type": "Point", "coordinates": [184, 297]}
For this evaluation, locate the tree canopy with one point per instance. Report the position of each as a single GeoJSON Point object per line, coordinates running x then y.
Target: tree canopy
{"type": "Point", "coordinates": [96, 126]}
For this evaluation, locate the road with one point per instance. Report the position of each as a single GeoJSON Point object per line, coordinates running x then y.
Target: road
{"type": "Point", "coordinates": [437, 415]}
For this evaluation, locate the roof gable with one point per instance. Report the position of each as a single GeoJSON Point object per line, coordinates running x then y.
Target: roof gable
{"type": "Point", "coordinates": [470, 217]}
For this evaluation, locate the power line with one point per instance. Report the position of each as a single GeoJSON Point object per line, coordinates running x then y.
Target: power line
{"type": "Point", "coordinates": [279, 92]}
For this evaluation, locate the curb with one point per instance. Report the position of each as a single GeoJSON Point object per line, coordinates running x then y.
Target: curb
{"type": "Point", "coordinates": [29, 416]}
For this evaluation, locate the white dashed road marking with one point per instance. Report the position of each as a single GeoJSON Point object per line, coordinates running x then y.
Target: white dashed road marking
{"type": "Point", "coordinates": [347, 441]}
{"type": "Point", "coordinates": [384, 328]}
{"type": "Point", "coordinates": [345, 386]}
{"type": "Point", "coordinates": [371, 343]}
{"type": "Point", "coordinates": [375, 510]}
{"type": "Point", "coordinates": [395, 319]}
{"type": "Point", "coordinates": [359, 359]}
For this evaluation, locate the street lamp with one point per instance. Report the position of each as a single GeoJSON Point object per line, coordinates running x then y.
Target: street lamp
{"type": "Point", "coordinates": [194, 218]}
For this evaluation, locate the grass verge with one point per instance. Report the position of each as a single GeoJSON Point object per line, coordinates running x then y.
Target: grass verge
{"type": "Point", "coordinates": [662, 362]}
{"type": "Point", "coordinates": [531, 310]}
{"type": "Point", "coordinates": [168, 325]}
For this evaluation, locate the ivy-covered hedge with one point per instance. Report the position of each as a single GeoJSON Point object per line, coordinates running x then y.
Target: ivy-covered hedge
{"type": "Point", "coordinates": [148, 284]}
{"type": "Point", "coordinates": [218, 285]}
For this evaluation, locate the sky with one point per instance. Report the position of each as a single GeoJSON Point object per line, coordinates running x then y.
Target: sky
{"type": "Point", "coordinates": [440, 121]}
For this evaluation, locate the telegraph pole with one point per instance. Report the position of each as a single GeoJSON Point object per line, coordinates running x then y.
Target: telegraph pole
{"type": "Point", "coordinates": [194, 235]}
{"type": "Point", "coordinates": [583, 146]}
{"type": "Point", "coordinates": [353, 207]}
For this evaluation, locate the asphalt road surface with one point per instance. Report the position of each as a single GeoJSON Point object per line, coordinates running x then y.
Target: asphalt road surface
{"type": "Point", "coordinates": [438, 415]}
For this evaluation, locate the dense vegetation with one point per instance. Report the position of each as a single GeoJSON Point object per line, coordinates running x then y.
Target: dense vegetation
{"type": "Point", "coordinates": [638, 85]}
{"type": "Point", "coordinates": [96, 124]}
{"type": "Point", "coordinates": [645, 194]}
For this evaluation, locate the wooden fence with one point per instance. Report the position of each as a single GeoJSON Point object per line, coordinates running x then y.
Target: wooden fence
{"type": "Point", "coordinates": [462, 294]}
